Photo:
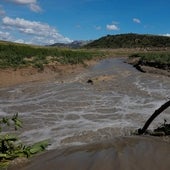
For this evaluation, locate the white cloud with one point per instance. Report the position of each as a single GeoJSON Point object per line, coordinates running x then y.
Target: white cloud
{"type": "Point", "coordinates": [19, 41]}
{"type": "Point", "coordinates": [32, 4]}
{"type": "Point", "coordinates": [40, 33]}
{"type": "Point", "coordinates": [136, 20]}
{"type": "Point", "coordinates": [78, 26]}
{"type": "Point", "coordinates": [167, 34]}
{"type": "Point", "coordinates": [98, 27]}
{"type": "Point", "coordinates": [35, 8]}
{"type": "Point", "coordinates": [23, 1]}
{"type": "Point", "coordinates": [2, 12]}
{"type": "Point", "coordinates": [4, 35]}
{"type": "Point", "coordinates": [112, 27]}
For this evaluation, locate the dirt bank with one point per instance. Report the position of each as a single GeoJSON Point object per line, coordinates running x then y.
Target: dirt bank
{"type": "Point", "coordinates": [51, 72]}
{"type": "Point", "coordinates": [148, 68]}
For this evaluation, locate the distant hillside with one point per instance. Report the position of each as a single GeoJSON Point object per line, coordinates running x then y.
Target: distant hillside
{"type": "Point", "coordinates": [74, 44]}
{"type": "Point", "coordinates": [130, 41]}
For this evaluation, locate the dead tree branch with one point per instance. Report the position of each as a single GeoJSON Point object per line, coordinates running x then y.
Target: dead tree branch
{"type": "Point", "coordinates": [153, 116]}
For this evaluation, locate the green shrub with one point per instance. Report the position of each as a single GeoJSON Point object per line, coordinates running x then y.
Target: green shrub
{"type": "Point", "coordinates": [39, 65]}
{"type": "Point", "coordinates": [10, 148]}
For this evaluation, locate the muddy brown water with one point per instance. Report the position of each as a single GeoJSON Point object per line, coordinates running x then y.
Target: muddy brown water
{"type": "Point", "coordinates": [120, 153]}
{"type": "Point", "coordinates": [71, 112]}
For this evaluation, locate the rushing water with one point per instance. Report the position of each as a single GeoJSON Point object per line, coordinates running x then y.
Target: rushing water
{"type": "Point", "coordinates": [74, 112]}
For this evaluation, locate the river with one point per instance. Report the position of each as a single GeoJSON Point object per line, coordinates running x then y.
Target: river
{"type": "Point", "coordinates": [74, 112]}
{"type": "Point", "coordinates": [89, 125]}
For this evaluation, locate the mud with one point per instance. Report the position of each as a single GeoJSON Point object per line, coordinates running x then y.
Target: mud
{"type": "Point", "coordinates": [130, 153]}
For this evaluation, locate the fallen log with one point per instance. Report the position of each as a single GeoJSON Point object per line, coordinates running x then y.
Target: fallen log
{"type": "Point", "coordinates": [153, 116]}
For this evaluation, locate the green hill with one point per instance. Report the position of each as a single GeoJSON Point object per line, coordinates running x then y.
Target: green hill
{"type": "Point", "coordinates": [130, 41]}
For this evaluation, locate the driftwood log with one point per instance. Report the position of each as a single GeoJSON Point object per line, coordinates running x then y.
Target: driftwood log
{"type": "Point", "coordinates": [153, 116]}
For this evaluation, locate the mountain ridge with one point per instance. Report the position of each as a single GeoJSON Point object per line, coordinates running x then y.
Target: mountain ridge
{"type": "Point", "coordinates": [74, 44]}
{"type": "Point", "coordinates": [130, 40]}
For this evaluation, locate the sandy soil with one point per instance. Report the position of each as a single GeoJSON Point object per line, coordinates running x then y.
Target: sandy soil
{"type": "Point", "coordinates": [10, 77]}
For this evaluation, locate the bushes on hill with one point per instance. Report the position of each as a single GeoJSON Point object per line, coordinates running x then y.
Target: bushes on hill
{"type": "Point", "coordinates": [130, 41]}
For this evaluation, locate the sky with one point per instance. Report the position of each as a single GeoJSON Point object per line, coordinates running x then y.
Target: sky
{"type": "Point", "coordinates": [44, 22]}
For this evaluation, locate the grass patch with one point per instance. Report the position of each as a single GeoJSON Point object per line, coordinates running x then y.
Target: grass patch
{"type": "Point", "coordinates": [157, 57]}
{"type": "Point", "coordinates": [159, 60]}
{"type": "Point", "coordinates": [16, 55]}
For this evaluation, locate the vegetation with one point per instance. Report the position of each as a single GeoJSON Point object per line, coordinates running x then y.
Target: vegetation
{"type": "Point", "coordinates": [162, 130]}
{"type": "Point", "coordinates": [159, 59]}
{"type": "Point", "coordinates": [10, 148]}
{"type": "Point", "coordinates": [130, 41]}
{"type": "Point", "coordinates": [20, 55]}
{"type": "Point", "coordinates": [16, 55]}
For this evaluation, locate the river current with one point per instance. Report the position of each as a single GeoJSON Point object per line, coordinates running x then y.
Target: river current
{"type": "Point", "coordinates": [74, 112]}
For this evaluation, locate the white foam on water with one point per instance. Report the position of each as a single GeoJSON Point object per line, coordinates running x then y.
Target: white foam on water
{"type": "Point", "coordinates": [2, 113]}
{"type": "Point", "coordinates": [76, 112]}
{"type": "Point", "coordinates": [154, 86]}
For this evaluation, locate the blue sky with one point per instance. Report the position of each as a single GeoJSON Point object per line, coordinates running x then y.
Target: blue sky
{"type": "Point", "coordinates": [51, 21]}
